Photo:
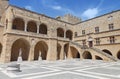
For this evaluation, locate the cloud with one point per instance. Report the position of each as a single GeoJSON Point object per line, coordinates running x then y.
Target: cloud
{"type": "Point", "coordinates": [90, 13]}
{"type": "Point", "coordinates": [51, 4]}
{"type": "Point", "coordinates": [29, 7]}
{"type": "Point", "coordinates": [56, 7]}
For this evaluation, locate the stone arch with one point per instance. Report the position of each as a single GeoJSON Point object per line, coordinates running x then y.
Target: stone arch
{"type": "Point", "coordinates": [16, 46]}
{"type": "Point", "coordinates": [74, 52]}
{"type": "Point", "coordinates": [60, 32]}
{"type": "Point", "coordinates": [0, 48]}
{"type": "Point", "coordinates": [107, 51]}
{"type": "Point", "coordinates": [69, 34]}
{"type": "Point", "coordinates": [43, 29]}
{"type": "Point", "coordinates": [32, 26]}
{"type": "Point", "coordinates": [41, 48]}
{"type": "Point", "coordinates": [98, 58]}
{"type": "Point", "coordinates": [118, 55]}
{"type": "Point", "coordinates": [87, 55]}
{"type": "Point", "coordinates": [58, 50]}
{"type": "Point", "coordinates": [18, 24]}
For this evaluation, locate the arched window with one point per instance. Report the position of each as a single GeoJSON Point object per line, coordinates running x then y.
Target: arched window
{"type": "Point", "coordinates": [69, 34]}
{"type": "Point", "coordinates": [18, 24]}
{"type": "Point", "coordinates": [43, 29]}
{"type": "Point", "coordinates": [32, 27]}
{"type": "Point", "coordinates": [60, 32]}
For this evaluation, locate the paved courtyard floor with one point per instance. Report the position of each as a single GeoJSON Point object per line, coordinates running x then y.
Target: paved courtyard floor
{"type": "Point", "coordinates": [66, 69]}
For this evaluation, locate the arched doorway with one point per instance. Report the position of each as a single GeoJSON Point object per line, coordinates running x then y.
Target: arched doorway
{"type": "Point", "coordinates": [43, 29]}
{"type": "Point", "coordinates": [32, 27]}
{"type": "Point", "coordinates": [118, 55]}
{"type": "Point", "coordinates": [75, 52]}
{"type": "Point", "coordinates": [41, 48]}
{"type": "Point", "coordinates": [98, 58]}
{"type": "Point", "coordinates": [87, 55]}
{"type": "Point", "coordinates": [18, 24]}
{"type": "Point", "coordinates": [107, 51]}
{"type": "Point", "coordinates": [58, 51]}
{"type": "Point", "coordinates": [17, 45]}
{"type": "Point", "coordinates": [90, 41]}
{"type": "Point", "coordinates": [0, 49]}
{"type": "Point", "coordinates": [60, 32]}
{"type": "Point", "coordinates": [69, 34]}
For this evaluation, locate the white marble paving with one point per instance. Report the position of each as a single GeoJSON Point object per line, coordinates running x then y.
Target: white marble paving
{"type": "Point", "coordinates": [66, 69]}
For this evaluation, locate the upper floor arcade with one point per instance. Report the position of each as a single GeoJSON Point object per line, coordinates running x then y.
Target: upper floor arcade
{"type": "Point", "coordinates": [36, 24]}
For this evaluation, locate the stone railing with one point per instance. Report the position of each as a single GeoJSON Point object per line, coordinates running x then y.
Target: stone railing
{"type": "Point", "coordinates": [81, 46]}
{"type": "Point", "coordinates": [105, 54]}
{"type": "Point", "coordinates": [63, 39]}
{"type": "Point", "coordinates": [29, 34]}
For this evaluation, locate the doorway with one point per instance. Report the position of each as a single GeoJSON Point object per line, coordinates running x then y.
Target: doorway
{"type": "Point", "coordinates": [90, 43]}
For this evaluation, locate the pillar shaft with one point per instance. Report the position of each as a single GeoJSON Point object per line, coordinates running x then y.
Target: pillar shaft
{"type": "Point", "coordinates": [52, 50]}
{"type": "Point", "coordinates": [62, 53]}
{"type": "Point", "coordinates": [6, 51]}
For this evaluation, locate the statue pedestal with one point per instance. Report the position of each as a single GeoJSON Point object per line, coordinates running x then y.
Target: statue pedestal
{"type": "Point", "coordinates": [13, 68]}
{"type": "Point", "coordinates": [40, 58]}
{"type": "Point", "coordinates": [19, 60]}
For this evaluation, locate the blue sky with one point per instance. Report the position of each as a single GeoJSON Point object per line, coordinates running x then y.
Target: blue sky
{"type": "Point", "coordinates": [84, 9]}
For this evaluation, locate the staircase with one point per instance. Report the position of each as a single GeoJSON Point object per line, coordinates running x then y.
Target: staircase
{"type": "Point", "coordinates": [105, 54]}
{"type": "Point", "coordinates": [94, 49]}
{"type": "Point", "coordinates": [80, 46]}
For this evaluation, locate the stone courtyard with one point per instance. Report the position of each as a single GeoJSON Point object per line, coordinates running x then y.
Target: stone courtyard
{"type": "Point", "coordinates": [64, 69]}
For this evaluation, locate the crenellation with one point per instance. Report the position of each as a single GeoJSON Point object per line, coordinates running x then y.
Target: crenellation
{"type": "Point", "coordinates": [69, 18]}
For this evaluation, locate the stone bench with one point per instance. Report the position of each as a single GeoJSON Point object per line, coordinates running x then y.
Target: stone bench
{"type": "Point", "coordinates": [13, 67]}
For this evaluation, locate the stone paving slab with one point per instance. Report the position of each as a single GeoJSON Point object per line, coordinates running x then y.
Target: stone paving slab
{"type": "Point", "coordinates": [66, 69]}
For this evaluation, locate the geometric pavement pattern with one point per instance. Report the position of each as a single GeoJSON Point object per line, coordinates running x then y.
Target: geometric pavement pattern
{"type": "Point", "coordinates": [64, 69]}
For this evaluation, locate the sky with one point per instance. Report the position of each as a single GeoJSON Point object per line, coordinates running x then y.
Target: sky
{"type": "Point", "coordinates": [84, 9]}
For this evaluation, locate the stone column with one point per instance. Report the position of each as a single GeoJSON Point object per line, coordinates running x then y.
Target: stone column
{"type": "Point", "coordinates": [64, 34]}
{"type": "Point", "coordinates": [6, 51]}
{"type": "Point", "coordinates": [52, 50]}
{"type": "Point", "coordinates": [62, 53]}
{"type": "Point", "coordinates": [31, 53]}
{"type": "Point", "coordinates": [9, 26]}
{"type": "Point", "coordinates": [25, 29]}
{"type": "Point", "coordinates": [69, 55]}
{"type": "Point", "coordinates": [38, 28]}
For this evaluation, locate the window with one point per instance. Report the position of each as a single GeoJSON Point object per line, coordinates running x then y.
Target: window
{"type": "Point", "coordinates": [83, 32]}
{"type": "Point", "coordinates": [76, 34]}
{"type": "Point", "coordinates": [112, 39]}
{"type": "Point", "coordinates": [96, 29]}
{"type": "Point", "coordinates": [111, 26]}
{"type": "Point", "coordinates": [97, 41]}
{"type": "Point", "coordinates": [84, 42]}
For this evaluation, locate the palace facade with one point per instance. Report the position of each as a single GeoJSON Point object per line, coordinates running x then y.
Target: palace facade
{"type": "Point", "coordinates": [66, 37]}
